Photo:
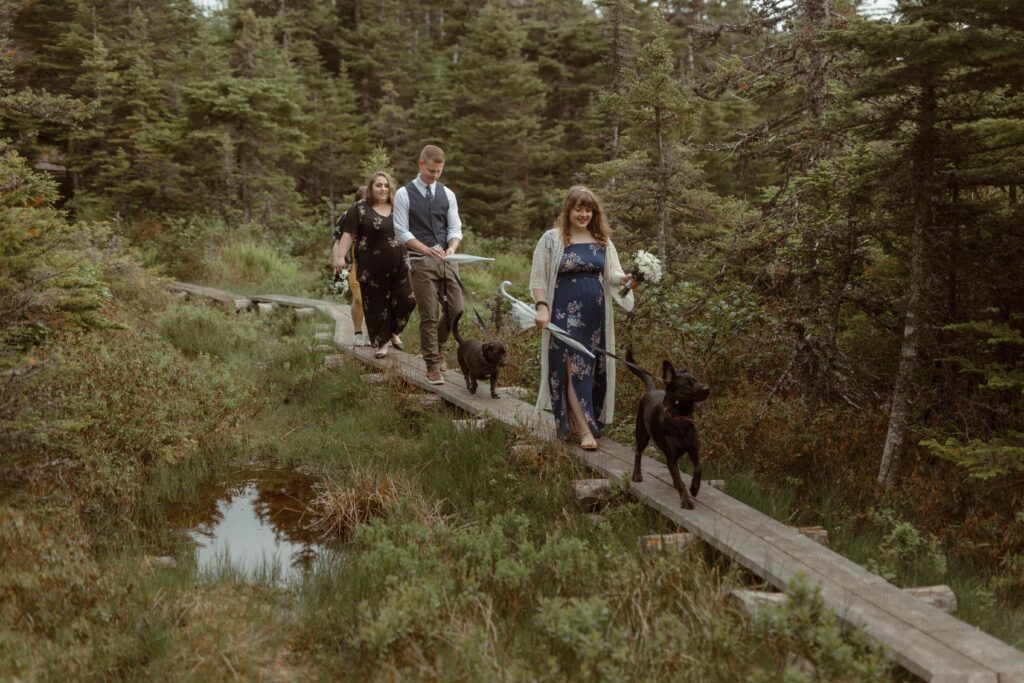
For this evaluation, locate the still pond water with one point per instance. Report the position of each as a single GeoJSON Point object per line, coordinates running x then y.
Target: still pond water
{"type": "Point", "coordinates": [253, 524]}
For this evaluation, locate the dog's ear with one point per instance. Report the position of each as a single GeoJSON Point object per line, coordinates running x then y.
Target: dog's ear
{"type": "Point", "coordinates": [668, 373]}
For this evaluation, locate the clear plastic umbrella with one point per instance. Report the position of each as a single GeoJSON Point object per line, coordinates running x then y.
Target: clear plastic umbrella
{"type": "Point", "coordinates": [458, 259]}
{"type": "Point", "coordinates": [525, 317]}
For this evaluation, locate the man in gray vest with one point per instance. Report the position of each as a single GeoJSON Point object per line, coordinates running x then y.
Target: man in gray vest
{"type": "Point", "coordinates": [426, 218]}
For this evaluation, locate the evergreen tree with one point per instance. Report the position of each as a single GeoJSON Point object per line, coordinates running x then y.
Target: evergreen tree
{"type": "Point", "coordinates": [433, 115]}
{"type": "Point", "coordinates": [659, 192]}
{"type": "Point", "coordinates": [247, 128]}
{"type": "Point", "coordinates": [942, 72]}
{"type": "Point", "coordinates": [377, 160]}
{"type": "Point", "coordinates": [566, 42]}
{"type": "Point", "coordinates": [138, 171]}
{"type": "Point", "coordinates": [45, 284]}
{"type": "Point", "coordinates": [787, 78]}
{"type": "Point", "coordinates": [340, 136]}
{"type": "Point", "coordinates": [499, 153]}
{"type": "Point", "coordinates": [619, 30]}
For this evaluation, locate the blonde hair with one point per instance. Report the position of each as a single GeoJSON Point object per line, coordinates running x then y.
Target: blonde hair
{"type": "Point", "coordinates": [391, 187]}
{"type": "Point", "coordinates": [598, 227]}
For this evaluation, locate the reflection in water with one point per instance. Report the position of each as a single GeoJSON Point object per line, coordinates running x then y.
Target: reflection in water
{"type": "Point", "coordinates": [254, 524]}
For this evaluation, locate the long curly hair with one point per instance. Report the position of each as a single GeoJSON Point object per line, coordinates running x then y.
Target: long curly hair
{"type": "Point", "coordinates": [391, 188]}
{"type": "Point", "coordinates": [579, 195]}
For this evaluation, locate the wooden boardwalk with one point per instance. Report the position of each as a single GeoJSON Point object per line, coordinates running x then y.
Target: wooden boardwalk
{"type": "Point", "coordinates": [928, 642]}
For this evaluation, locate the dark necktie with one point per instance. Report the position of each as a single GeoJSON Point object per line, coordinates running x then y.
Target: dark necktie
{"type": "Point", "coordinates": [430, 195]}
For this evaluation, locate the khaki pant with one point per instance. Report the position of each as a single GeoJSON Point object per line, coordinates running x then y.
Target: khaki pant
{"type": "Point", "coordinates": [432, 282]}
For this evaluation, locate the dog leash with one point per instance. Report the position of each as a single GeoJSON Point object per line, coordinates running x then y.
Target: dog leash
{"type": "Point", "coordinates": [627, 363]}
{"type": "Point", "coordinates": [605, 352]}
{"type": "Point", "coordinates": [444, 287]}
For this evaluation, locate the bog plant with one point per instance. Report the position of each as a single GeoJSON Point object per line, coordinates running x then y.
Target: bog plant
{"type": "Point", "coordinates": [904, 551]}
{"type": "Point", "coordinates": [584, 638]}
{"type": "Point", "coordinates": [808, 643]}
{"type": "Point", "coordinates": [337, 511]}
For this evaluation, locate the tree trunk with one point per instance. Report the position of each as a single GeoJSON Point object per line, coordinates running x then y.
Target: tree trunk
{"type": "Point", "coordinates": [813, 371]}
{"type": "Point", "coordinates": [662, 199]}
{"type": "Point", "coordinates": [616, 85]}
{"type": "Point", "coordinates": [903, 392]}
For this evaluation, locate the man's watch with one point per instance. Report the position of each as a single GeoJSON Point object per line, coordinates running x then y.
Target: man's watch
{"type": "Point", "coordinates": [541, 303]}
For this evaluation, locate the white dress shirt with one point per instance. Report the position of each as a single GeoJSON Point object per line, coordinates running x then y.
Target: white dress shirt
{"type": "Point", "coordinates": [400, 215]}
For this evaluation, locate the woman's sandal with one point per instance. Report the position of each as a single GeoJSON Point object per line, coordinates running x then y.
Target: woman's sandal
{"type": "Point", "coordinates": [396, 343]}
{"type": "Point", "coordinates": [382, 352]}
{"type": "Point", "coordinates": [588, 443]}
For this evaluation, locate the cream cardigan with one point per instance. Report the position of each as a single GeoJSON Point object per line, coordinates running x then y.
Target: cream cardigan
{"type": "Point", "coordinates": [546, 258]}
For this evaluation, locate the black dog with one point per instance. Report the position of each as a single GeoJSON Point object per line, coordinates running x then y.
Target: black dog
{"type": "Point", "coordinates": [667, 417]}
{"type": "Point", "coordinates": [479, 360]}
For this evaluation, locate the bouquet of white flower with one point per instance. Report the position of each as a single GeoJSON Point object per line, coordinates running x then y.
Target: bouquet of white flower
{"type": "Point", "coordinates": [646, 268]}
{"type": "Point", "coordinates": [339, 283]}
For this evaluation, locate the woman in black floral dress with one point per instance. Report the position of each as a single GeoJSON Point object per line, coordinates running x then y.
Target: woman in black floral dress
{"type": "Point", "coordinates": [383, 273]}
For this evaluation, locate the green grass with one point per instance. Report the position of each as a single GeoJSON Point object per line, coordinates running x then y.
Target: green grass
{"type": "Point", "coordinates": [485, 569]}
{"type": "Point", "coordinates": [246, 266]}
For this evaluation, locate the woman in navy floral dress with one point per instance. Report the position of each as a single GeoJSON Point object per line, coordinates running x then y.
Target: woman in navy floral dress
{"type": "Point", "coordinates": [383, 273]}
{"type": "Point", "coordinates": [575, 274]}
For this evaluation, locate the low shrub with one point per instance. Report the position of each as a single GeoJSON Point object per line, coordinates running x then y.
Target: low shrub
{"type": "Point", "coordinates": [118, 404]}
{"type": "Point", "coordinates": [583, 636]}
{"type": "Point", "coordinates": [805, 642]}
{"type": "Point", "coordinates": [63, 614]}
{"type": "Point", "coordinates": [905, 552]}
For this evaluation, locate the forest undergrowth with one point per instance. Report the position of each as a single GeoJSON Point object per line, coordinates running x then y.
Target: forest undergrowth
{"type": "Point", "coordinates": [475, 565]}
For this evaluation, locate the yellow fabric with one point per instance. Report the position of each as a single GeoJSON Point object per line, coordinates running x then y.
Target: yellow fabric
{"type": "Point", "coordinates": [353, 283]}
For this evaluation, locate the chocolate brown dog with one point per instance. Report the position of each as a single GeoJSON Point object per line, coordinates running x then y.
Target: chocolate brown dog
{"type": "Point", "coordinates": [479, 360]}
{"type": "Point", "coordinates": [667, 417]}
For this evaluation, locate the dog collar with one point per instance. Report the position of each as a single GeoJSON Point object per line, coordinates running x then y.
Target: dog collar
{"type": "Point", "coordinates": [676, 416]}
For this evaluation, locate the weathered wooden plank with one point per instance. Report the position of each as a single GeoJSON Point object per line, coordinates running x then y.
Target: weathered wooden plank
{"type": "Point", "coordinates": [425, 400]}
{"type": "Point", "coordinates": [334, 361]}
{"type": "Point", "coordinates": [941, 597]}
{"type": "Point", "coordinates": [662, 542]}
{"type": "Point", "coordinates": [818, 534]}
{"type": "Point", "coordinates": [906, 626]}
{"type": "Point", "coordinates": [519, 393]}
{"type": "Point", "coordinates": [592, 494]}
{"type": "Point", "coordinates": [469, 425]}
{"type": "Point", "coordinates": [527, 454]}
{"type": "Point", "coordinates": [232, 301]}
{"type": "Point", "coordinates": [293, 301]}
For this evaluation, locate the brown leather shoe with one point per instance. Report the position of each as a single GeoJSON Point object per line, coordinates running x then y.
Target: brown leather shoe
{"type": "Point", "coordinates": [435, 377]}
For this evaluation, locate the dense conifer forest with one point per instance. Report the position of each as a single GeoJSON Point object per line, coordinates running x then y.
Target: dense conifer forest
{"type": "Point", "coordinates": [836, 198]}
